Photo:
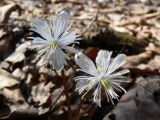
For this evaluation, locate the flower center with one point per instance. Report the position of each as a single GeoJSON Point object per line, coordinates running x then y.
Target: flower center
{"type": "Point", "coordinates": [100, 69]}
{"type": "Point", "coordinates": [53, 45]}
{"type": "Point", "coordinates": [46, 28]}
{"type": "Point", "coordinates": [106, 83]}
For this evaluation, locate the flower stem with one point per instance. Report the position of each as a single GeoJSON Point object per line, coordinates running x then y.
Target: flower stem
{"type": "Point", "coordinates": [66, 91]}
{"type": "Point", "coordinates": [77, 115]}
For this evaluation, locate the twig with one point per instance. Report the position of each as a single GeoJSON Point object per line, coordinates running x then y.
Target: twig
{"type": "Point", "coordinates": [109, 10]}
{"type": "Point", "coordinates": [72, 1]}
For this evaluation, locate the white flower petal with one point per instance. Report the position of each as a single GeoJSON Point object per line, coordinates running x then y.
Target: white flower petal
{"type": "Point", "coordinates": [97, 95]}
{"type": "Point", "coordinates": [42, 52]}
{"type": "Point", "coordinates": [85, 84]}
{"type": "Point", "coordinates": [39, 22]}
{"type": "Point", "coordinates": [58, 59]}
{"type": "Point", "coordinates": [38, 40]}
{"type": "Point", "coordinates": [42, 27]}
{"type": "Point", "coordinates": [116, 63]}
{"type": "Point", "coordinates": [67, 39]}
{"type": "Point", "coordinates": [117, 81]}
{"type": "Point", "coordinates": [103, 60]}
{"type": "Point", "coordinates": [85, 64]}
{"type": "Point", "coordinates": [117, 74]}
{"type": "Point", "coordinates": [90, 86]}
{"type": "Point", "coordinates": [111, 95]}
{"type": "Point", "coordinates": [85, 78]}
{"type": "Point", "coordinates": [71, 49]}
{"type": "Point", "coordinates": [82, 89]}
{"type": "Point", "coordinates": [38, 47]}
{"type": "Point", "coordinates": [61, 23]}
{"type": "Point", "coordinates": [118, 86]}
{"type": "Point", "coordinates": [40, 44]}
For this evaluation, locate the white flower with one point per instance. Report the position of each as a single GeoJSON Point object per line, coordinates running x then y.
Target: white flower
{"type": "Point", "coordinates": [102, 76]}
{"type": "Point", "coordinates": [54, 39]}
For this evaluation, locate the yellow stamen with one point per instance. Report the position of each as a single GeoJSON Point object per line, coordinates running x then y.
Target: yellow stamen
{"type": "Point", "coordinates": [114, 66]}
{"type": "Point", "coordinates": [53, 29]}
{"type": "Point", "coordinates": [33, 24]}
{"type": "Point", "coordinates": [45, 28]}
{"type": "Point", "coordinates": [53, 45]}
{"type": "Point", "coordinates": [91, 82]}
{"type": "Point", "coordinates": [100, 69]}
{"type": "Point", "coordinates": [37, 49]}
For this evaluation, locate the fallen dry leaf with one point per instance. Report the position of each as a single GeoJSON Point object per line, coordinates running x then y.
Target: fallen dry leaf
{"type": "Point", "coordinates": [6, 10]}
{"type": "Point", "coordinates": [137, 59]}
{"type": "Point", "coordinates": [152, 47]}
{"type": "Point", "coordinates": [7, 79]}
{"type": "Point", "coordinates": [6, 42]}
{"type": "Point", "coordinates": [19, 53]}
{"type": "Point", "coordinates": [13, 95]}
{"type": "Point", "coordinates": [41, 93]}
{"type": "Point", "coordinates": [141, 101]}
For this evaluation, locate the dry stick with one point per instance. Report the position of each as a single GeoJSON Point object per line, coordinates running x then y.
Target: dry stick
{"type": "Point", "coordinates": [72, 1]}
{"type": "Point", "coordinates": [66, 91]}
